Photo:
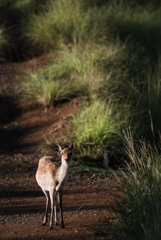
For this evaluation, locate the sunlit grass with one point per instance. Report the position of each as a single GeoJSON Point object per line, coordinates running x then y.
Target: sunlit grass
{"type": "Point", "coordinates": [95, 128]}
{"type": "Point", "coordinates": [54, 26]}
{"type": "Point", "coordinates": [76, 72]}
{"type": "Point", "coordinates": [106, 51]}
{"type": "Point", "coordinates": [36, 89]}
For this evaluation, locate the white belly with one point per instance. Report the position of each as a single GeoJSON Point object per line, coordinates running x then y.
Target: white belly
{"type": "Point", "coordinates": [44, 182]}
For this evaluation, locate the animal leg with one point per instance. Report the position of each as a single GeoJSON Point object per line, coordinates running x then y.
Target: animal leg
{"type": "Point", "coordinates": [51, 192]}
{"type": "Point", "coordinates": [60, 207]}
{"type": "Point", "coordinates": [46, 210]}
{"type": "Point", "coordinates": [55, 210]}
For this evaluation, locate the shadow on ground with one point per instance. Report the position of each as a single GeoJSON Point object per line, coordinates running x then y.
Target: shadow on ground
{"type": "Point", "coordinates": [10, 130]}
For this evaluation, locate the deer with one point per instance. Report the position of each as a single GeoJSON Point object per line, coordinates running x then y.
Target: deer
{"type": "Point", "coordinates": [51, 177]}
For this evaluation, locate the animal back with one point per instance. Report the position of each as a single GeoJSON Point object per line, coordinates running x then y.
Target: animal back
{"type": "Point", "coordinates": [46, 172]}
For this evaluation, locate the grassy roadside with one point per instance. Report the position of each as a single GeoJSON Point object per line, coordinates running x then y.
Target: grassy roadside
{"type": "Point", "coordinates": [137, 204]}
{"type": "Point", "coordinates": [108, 52]}
{"type": "Point", "coordinates": [109, 56]}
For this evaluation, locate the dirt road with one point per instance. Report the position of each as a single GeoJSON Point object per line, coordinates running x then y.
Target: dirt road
{"type": "Point", "coordinates": [22, 203]}
{"type": "Point", "coordinates": [85, 213]}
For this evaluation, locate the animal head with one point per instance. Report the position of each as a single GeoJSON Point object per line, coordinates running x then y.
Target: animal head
{"type": "Point", "coordinates": [66, 152]}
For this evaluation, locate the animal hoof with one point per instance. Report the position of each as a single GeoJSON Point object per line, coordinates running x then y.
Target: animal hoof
{"type": "Point", "coordinates": [43, 224]}
{"type": "Point", "coordinates": [50, 228]}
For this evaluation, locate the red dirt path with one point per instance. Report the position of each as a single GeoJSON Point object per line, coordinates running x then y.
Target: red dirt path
{"type": "Point", "coordinates": [22, 203]}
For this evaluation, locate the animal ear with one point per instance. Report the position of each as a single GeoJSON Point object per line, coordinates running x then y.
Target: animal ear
{"type": "Point", "coordinates": [57, 147]}
{"type": "Point", "coordinates": [71, 147]}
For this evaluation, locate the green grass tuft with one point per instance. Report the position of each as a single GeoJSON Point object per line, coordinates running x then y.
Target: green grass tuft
{"type": "Point", "coordinates": [37, 89]}
{"type": "Point", "coordinates": [138, 200]}
{"type": "Point", "coordinates": [95, 128]}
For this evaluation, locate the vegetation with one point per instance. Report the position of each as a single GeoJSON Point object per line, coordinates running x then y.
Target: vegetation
{"type": "Point", "coordinates": [77, 72]}
{"type": "Point", "coordinates": [108, 54]}
{"type": "Point", "coordinates": [4, 44]}
{"type": "Point", "coordinates": [42, 90]}
{"type": "Point", "coordinates": [94, 129]}
{"type": "Point", "coordinates": [138, 210]}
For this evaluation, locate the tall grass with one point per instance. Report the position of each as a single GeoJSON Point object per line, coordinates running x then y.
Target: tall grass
{"type": "Point", "coordinates": [45, 25]}
{"type": "Point", "coordinates": [139, 208]}
{"type": "Point", "coordinates": [95, 128]}
{"type": "Point", "coordinates": [37, 89]}
{"type": "Point", "coordinates": [144, 95]}
{"type": "Point", "coordinates": [23, 7]}
{"type": "Point", "coordinates": [76, 72]}
{"type": "Point", "coordinates": [106, 54]}
{"type": "Point", "coordinates": [5, 45]}
{"type": "Point", "coordinates": [53, 27]}
{"type": "Point", "coordinates": [63, 22]}
{"type": "Point", "coordinates": [110, 51]}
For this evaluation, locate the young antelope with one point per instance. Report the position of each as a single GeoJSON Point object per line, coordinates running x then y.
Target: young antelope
{"type": "Point", "coordinates": [51, 177]}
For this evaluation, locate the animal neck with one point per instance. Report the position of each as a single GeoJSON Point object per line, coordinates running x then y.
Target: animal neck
{"type": "Point", "coordinates": [64, 169]}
